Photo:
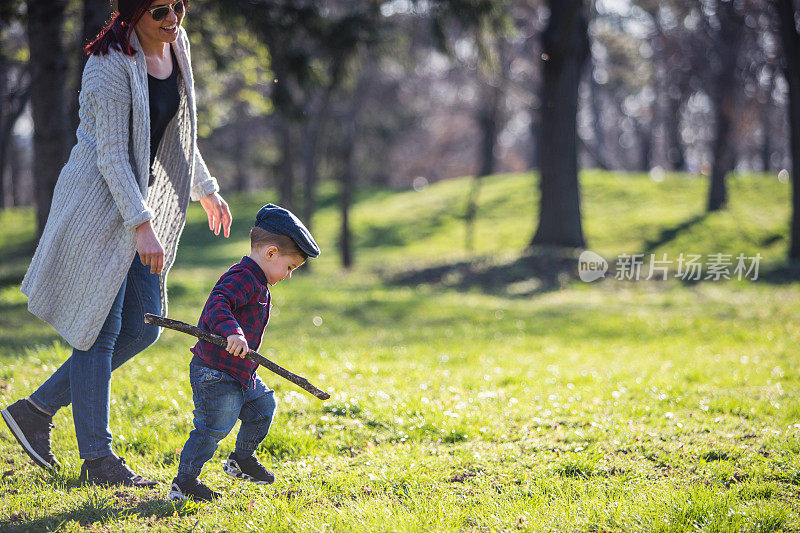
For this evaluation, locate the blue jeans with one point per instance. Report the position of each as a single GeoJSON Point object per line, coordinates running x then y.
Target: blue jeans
{"type": "Point", "coordinates": [84, 378]}
{"type": "Point", "coordinates": [219, 400]}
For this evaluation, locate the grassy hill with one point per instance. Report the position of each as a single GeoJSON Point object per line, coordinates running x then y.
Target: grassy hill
{"type": "Point", "coordinates": [469, 392]}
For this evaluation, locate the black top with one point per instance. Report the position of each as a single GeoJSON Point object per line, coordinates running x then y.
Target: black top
{"type": "Point", "coordinates": [164, 100]}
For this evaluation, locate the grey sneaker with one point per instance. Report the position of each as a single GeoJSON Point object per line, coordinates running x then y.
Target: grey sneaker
{"type": "Point", "coordinates": [247, 468]}
{"type": "Point", "coordinates": [112, 470]}
{"type": "Point", "coordinates": [186, 487]}
{"type": "Point", "coordinates": [31, 428]}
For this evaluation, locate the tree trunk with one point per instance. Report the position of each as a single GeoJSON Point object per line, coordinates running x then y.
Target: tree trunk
{"type": "Point", "coordinates": [565, 45]}
{"type": "Point", "coordinates": [316, 121]}
{"type": "Point", "coordinates": [48, 74]}
{"type": "Point", "coordinates": [346, 189]}
{"type": "Point", "coordinates": [722, 154]}
{"type": "Point", "coordinates": [5, 191]}
{"type": "Point", "coordinates": [766, 128]}
{"type": "Point", "coordinates": [534, 156]}
{"type": "Point", "coordinates": [489, 122]}
{"type": "Point", "coordinates": [241, 179]}
{"type": "Point", "coordinates": [241, 136]}
{"type": "Point", "coordinates": [350, 126]}
{"type": "Point", "coordinates": [645, 135]}
{"type": "Point", "coordinates": [489, 119]}
{"type": "Point", "coordinates": [12, 111]}
{"type": "Point", "coordinates": [16, 168]}
{"type": "Point", "coordinates": [286, 167]}
{"type": "Point", "coordinates": [728, 45]}
{"type": "Point", "coordinates": [95, 15]}
{"type": "Point", "coordinates": [309, 159]}
{"type": "Point", "coordinates": [791, 70]}
{"type": "Point", "coordinates": [672, 124]}
{"type": "Point", "coordinates": [598, 149]}
{"type": "Point", "coordinates": [4, 140]}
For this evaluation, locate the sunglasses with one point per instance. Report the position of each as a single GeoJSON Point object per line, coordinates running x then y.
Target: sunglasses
{"type": "Point", "coordinates": [160, 13]}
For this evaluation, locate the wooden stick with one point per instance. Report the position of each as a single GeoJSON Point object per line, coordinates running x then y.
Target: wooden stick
{"type": "Point", "coordinates": [183, 327]}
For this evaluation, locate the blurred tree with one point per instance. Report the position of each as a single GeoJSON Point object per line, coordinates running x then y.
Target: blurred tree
{"type": "Point", "coordinates": [14, 92]}
{"type": "Point", "coordinates": [234, 79]}
{"type": "Point", "coordinates": [94, 15]}
{"type": "Point", "coordinates": [312, 46]}
{"type": "Point", "coordinates": [526, 71]}
{"type": "Point", "coordinates": [490, 120]}
{"type": "Point", "coordinates": [596, 147]}
{"type": "Point", "coordinates": [620, 95]}
{"type": "Point", "coordinates": [312, 49]}
{"type": "Point", "coordinates": [291, 32]}
{"type": "Point", "coordinates": [765, 98]}
{"type": "Point", "coordinates": [431, 113]}
{"type": "Point", "coordinates": [707, 56]}
{"type": "Point", "coordinates": [317, 112]}
{"type": "Point", "coordinates": [48, 63]}
{"type": "Point", "coordinates": [757, 126]}
{"type": "Point", "coordinates": [565, 48]}
{"type": "Point", "coordinates": [674, 44]}
{"type": "Point", "coordinates": [9, 11]}
{"type": "Point", "coordinates": [349, 106]}
{"type": "Point", "coordinates": [790, 38]}
{"type": "Point", "coordinates": [727, 43]}
{"type": "Point", "coordinates": [493, 74]}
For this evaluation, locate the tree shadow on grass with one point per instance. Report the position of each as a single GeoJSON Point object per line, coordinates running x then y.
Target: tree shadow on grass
{"type": "Point", "coordinates": [16, 258]}
{"type": "Point", "coordinates": [97, 510]}
{"type": "Point", "coordinates": [777, 274]}
{"type": "Point", "coordinates": [20, 250]}
{"type": "Point", "coordinates": [12, 347]}
{"type": "Point", "coordinates": [541, 269]}
{"type": "Point", "coordinates": [671, 233]}
{"type": "Point", "coordinates": [780, 274]}
{"type": "Point", "coordinates": [12, 278]}
{"type": "Point", "coordinates": [19, 330]}
{"type": "Point", "coordinates": [537, 271]}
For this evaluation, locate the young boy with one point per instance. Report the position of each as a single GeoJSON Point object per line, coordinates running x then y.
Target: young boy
{"type": "Point", "coordinates": [225, 386]}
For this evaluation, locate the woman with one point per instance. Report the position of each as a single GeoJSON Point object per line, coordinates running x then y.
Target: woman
{"type": "Point", "coordinates": [125, 189]}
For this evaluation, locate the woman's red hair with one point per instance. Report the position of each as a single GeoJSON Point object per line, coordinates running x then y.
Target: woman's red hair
{"type": "Point", "coordinates": [117, 33]}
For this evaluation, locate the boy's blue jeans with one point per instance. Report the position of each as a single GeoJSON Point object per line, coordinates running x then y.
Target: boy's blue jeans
{"type": "Point", "coordinates": [85, 377]}
{"type": "Point", "coordinates": [219, 400]}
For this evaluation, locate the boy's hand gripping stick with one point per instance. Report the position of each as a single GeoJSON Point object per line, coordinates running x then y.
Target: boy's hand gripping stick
{"type": "Point", "coordinates": [183, 327]}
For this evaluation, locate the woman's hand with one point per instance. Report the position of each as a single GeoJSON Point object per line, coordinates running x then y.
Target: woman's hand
{"type": "Point", "coordinates": [219, 216]}
{"type": "Point", "coordinates": [151, 253]}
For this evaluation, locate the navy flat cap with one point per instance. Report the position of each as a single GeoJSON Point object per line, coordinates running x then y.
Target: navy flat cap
{"type": "Point", "coordinates": [283, 222]}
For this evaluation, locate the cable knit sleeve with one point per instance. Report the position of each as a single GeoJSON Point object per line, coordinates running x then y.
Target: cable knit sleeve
{"type": "Point", "coordinates": [203, 183]}
{"type": "Point", "coordinates": [109, 92]}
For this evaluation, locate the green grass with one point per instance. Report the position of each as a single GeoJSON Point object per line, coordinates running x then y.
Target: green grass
{"type": "Point", "coordinates": [475, 400]}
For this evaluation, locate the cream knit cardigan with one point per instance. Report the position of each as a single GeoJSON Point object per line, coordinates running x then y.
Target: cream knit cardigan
{"type": "Point", "coordinates": [102, 195]}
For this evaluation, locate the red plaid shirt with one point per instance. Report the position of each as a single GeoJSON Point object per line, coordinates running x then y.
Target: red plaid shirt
{"type": "Point", "coordinates": [239, 304]}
